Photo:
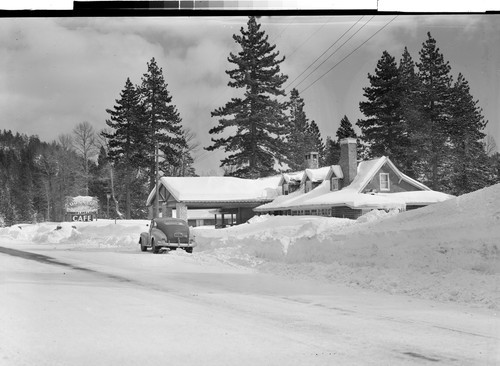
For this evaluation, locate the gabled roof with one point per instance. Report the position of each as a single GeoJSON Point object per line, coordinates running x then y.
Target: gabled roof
{"type": "Point", "coordinates": [367, 170]}
{"type": "Point", "coordinates": [353, 196]}
{"type": "Point", "coordinates": [335, 171]}
{"type": "Point", "coordinates": [316, 175]}
{"type": "Point", "coordinates": [219, 189]}
{"type": "Point", "coordinates": [291, 177]}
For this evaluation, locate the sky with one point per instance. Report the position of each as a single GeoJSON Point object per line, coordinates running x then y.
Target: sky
{"type": "Point", "coordinates": [58, 72]}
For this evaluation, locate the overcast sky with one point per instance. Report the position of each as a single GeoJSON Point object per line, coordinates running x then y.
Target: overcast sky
{"type": "Point", "coordinates": [58, 72]}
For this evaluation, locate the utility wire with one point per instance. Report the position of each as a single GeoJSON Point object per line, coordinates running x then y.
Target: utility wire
{"type": "Point", "coordinates": [357, 48]}
{"type": "Point", "coordinates": [308, 38]}
{"type": "Point", "coordinates": [317, 58]}
{"type": "Point", "coordinates": [334, 52]}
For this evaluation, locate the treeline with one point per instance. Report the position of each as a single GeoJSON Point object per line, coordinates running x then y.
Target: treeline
{"type": "Point", "coordinates": [426, 122]}
{"type": "Point", "coordinates": [116, 165]}
{"type": "Point", "coordinates": [36, 177]}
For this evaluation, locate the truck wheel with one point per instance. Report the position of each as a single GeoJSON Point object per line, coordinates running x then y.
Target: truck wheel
{"type": "Point", "coordinates": [154, 248]}
{"type": "Point", "coordinates": [189, 250]}
{"type": "Point", "coordinates": [143, 248]}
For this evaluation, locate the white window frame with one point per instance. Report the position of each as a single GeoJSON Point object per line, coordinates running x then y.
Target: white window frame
{"type": "Point", "coordinates": [384, 178]}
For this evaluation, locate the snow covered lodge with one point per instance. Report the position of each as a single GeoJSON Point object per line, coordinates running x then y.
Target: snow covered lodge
{"type": "Point", "coordinates": [231, 200]}
{"type": "Point", "coordinates": [347, 190]}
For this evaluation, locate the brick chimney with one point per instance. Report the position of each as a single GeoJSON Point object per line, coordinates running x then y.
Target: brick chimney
{"type": "Point", "coordinates": [348, 159]}
{"type": "Point", "coordinates": [312, 160]}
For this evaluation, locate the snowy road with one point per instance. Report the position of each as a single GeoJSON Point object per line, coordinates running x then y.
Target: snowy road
{"type": "Point", "coordinates": [70, 307]}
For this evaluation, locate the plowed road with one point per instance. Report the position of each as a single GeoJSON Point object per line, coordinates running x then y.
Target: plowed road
{"type": "Point", "coordinates": [63, 307]}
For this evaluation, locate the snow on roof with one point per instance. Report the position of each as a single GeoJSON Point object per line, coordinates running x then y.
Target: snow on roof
{"type": "Point", "coordinates": [419, 197]}
{"type": "Point", "coordinates": [222, 189]}
{"type": "Point", "coordinates": [335, 170]}
{"type": "Point", "coordinates": [295, 176]}
{"type": "Point", "coordinates": [366, 170]}
{"type": "Point", "coordinates": [316, 175]}
{"type": "Point", "coordinates": [352, 195]}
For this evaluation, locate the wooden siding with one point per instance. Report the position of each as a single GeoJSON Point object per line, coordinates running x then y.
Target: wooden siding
{"type": "Point", "coordinates": [395, 184]}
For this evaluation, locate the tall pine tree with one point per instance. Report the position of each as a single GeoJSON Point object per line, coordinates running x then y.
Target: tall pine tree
{"type": "Point", "coordinates": [383, 131]}
{"type": "Point", "coordinates": [471, 170]}
{"type": "Point", "coordinates": [255, 124]}
{"type": "Point", "coordinates": [299, 143]}
{"type": "Point", "coordinates": [161, 124]}
{"type": "Point", "coordinates": [127, 139]}
{"type": "Point", "coordinates": [432, 131]}
{"type": "Point", "coordinates": [410, 113]}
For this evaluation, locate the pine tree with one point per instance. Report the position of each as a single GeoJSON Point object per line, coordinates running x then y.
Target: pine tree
{"type": "Point", "coordinates": [127, 142]}
{"type": "Point", "coordinates": [332, 152]}
{"type": "Point", "coordinates": [410, 114]}
{"type": "Point", "coordinates": [435, 78]}
{"type": "Point", "coordinates": [345, 129]}
{"type": "Point", "coordinates": [471, 170]}
{"type": "Point", "coordinates": [383, 132]}
{"type": "Point", "coordinates": [316, 142]}
{"type": "Point", "coordinates": [162, 123]}
{"type": "Point", "coordinates": [255, 123]}
{"type": "Point", "coordinates": [299, 141]}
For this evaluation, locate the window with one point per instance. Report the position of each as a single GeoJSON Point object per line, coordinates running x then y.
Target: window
{"type": "Point", "coordinates": [384, 182]}
{"type": "Point", "coordinates": [334, 184]}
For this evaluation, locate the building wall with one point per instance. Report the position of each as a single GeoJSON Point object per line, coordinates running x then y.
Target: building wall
{"type": "Point", "coordinates": [346, 212]}
{"type": "Point", "coordinates": [395, 185]}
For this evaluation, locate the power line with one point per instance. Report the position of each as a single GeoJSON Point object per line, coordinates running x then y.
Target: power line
{"type": "Point", "coordinates": [317, 58]}
{"type": "Point", "coordinates": [338, 63]}
{"type": "Point", "coordinates": [308, 38]}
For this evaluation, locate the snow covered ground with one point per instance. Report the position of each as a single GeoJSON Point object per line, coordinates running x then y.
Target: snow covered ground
{"type": "Point", "coordinates": [386, 289]}
{"type": "Point", "coordinates": [446, 252]}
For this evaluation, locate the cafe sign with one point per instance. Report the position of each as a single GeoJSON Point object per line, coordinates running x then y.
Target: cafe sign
{"type": "Point", "coordinates": [81, 208]}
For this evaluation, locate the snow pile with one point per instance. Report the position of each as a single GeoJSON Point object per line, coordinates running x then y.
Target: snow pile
{"type": "Point", "coordinates": [86, 235]}
{"type": "Point", "coordinates": [449, 251]}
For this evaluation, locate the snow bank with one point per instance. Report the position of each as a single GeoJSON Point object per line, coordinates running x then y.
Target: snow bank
{"type": "Point", "coordinates": [447, 252]}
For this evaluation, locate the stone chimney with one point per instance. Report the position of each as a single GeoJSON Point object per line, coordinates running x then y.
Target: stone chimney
{"type": "Point", "coordinates": [312, 160]}
{"type": "Point", "coordinates": [348, 159]}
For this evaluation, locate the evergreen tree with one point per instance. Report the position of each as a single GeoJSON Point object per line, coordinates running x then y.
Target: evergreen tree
{"type": "Point", "coordinates": [332, 152]}
{"type": "Point", "coordinates": [383, 131]}
{"type": "Point", "coordinates": [410, 113]}
{"type": "Point", "coordinates": [255, 123]}
{"type": "Point", "coordinates": [299, 141]}
{"type": "Point", "coordinates": [127, 142]}
{"type": "Point", "coordinates": [316, 142]}
{"type": "Point", "coordinates": [161, 123]}
{"type": "Point", "coordinates": [345, 129]}
{"type": "Point", "coordinates": [435, 78]}
{"type": "Point", "coordinates": [471, 170]}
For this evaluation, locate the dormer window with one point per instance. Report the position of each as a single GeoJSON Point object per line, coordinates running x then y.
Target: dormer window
{"type": "Point", "coordinates": [334, 184]}
{"type": "Point", "coordinates": [384, 182]}
{"type": "Point", "coordinates": [286, 189]}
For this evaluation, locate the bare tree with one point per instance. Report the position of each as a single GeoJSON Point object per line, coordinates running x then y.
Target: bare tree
{"type": "Point", "coordinates": [84, 143]}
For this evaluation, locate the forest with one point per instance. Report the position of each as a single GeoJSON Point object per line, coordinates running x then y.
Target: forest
{"type": "Point", "coordinates": [416, 113]}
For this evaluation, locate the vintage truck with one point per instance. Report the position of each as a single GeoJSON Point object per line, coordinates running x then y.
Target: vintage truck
{"type": "Point", "coordinates": [167, 234]}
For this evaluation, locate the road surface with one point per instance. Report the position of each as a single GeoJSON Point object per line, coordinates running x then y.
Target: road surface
{"type": "Point", "coordinates": [69, 307]}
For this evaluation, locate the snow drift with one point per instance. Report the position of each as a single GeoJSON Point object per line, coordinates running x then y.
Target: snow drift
{"type": "Point", "coordinates": [446, 252]}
